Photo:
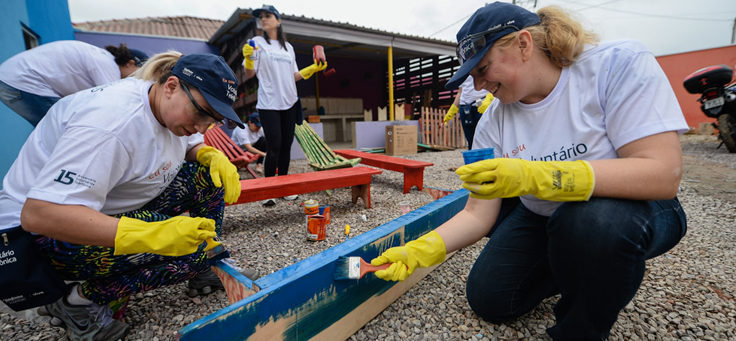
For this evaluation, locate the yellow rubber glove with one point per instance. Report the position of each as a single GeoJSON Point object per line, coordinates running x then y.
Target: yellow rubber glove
{"type": "Point", "coordinates": [247, 52]}
{"type": "Point", "coordinates": [486, 102]}
{"type": "Point", "coordinates": [175, 237]}
{"type": "Point", "coordinates": [222, 172]}
{"type": "Point", "coordinates": [450, 113]}
{"type": "Point", "coordinates": [426, 251]}
{"type": "Point", "coordinates": [310, 70]}
{"type": "Point", "coordinates": [547, 180]}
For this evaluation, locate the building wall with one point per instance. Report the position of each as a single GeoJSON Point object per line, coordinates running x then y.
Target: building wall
{"type": "Point", "coordinates": [50, 20]}
{"type": "Point", "coordinates": [148, 44]}
{"type": "Point", "coordinates": [678, 66]}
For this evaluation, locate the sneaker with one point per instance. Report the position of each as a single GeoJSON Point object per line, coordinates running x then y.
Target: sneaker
{"type": "Point", "coordinates": [269, 202]}
{"type": "Point", "coordinates": [207, 282]}
{"type": "Point", "coordinates": [259, 168]}
{"type": "Point", "coordinates": [291, 197]}
{"type": "Point", "coordinates": [86, 322]}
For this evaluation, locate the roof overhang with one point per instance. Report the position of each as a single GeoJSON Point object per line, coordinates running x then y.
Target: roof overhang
{"type": "Point", "coordinates": [340, 39]}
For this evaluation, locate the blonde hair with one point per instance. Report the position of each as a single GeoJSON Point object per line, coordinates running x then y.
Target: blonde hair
{"type": "Point", "coordinates": [158, 66]}
{"type": "Point", "coordinates": [560, 37]}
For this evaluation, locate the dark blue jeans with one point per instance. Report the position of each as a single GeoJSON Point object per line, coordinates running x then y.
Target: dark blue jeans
{"type": "Point", "coordinates": [592, 253]}
{"type": "Point", "coordinates": [469, 117]}
{"type": "Point", "coordinates": [29, 106]}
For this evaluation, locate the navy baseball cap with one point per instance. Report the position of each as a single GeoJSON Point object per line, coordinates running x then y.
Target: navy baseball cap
{"type": "Point", "coordinates": [485, 26]}
{"type": "Point", "coordinates": [139, 57]}
{"type": "Point", "coordinates": [214, 79]}
{"type": "Point", "coordinates": [267, 8]}
{"type": "Point", "coordinates": [255, 119]}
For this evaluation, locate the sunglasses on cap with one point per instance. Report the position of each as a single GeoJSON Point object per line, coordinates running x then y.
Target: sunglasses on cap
{"type": "Point", "coordinates": [476, 42]}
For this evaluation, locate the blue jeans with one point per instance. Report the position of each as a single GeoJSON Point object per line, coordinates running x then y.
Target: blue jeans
{"type": "Point", "coordinates": [592, 253]}
{"type": "Point", "coordinates": [29, 106]}
{"type": "Point", "coordinates": [469, 117]}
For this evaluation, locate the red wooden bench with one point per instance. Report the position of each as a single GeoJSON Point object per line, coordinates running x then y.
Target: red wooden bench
{"type": "Point", "coordinates": [413, 170]}
{"type": "Point", "coordinates": [217, 138]}
{"type": "Point", "coordinates": [359, 178]}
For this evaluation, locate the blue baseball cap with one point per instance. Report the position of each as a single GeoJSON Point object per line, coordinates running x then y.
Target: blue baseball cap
{"type": "Point", "coordinates": [255, 119]}
{"type": "Point", "coordinates": [139, 57]}
{"type": "Point", "coordinates": [267, 8]}
{"type": "Point", "coordinates": [214, 79]}
{"type": "Point", "coordinates": [485, 27]}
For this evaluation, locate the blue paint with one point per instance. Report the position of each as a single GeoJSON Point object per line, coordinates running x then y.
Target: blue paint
{"type": "Point", "coordinates": [305, 298]}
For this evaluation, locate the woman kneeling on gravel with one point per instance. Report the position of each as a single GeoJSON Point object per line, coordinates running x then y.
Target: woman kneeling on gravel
{"type": "Point", "coordinates": [105, 175]}
{"type": "Point", "coordinates": [587, 161]}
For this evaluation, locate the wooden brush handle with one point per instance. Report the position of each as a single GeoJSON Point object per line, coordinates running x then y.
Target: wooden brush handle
{"type": "Point", "coordinates": [372, 268]}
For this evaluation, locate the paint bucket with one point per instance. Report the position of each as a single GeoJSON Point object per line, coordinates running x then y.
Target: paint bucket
{"type": "Point", "coordinates": [475, 155]}
{"type": "Point", "coordinates": [316, 229]}
{"type": "Point", "coordinates": [324, 210]}
{"type": "Point", "coordinates": [311, 206]}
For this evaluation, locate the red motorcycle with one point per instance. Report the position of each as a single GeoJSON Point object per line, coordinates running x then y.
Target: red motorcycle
{"type": "Point", "coordinates": [717, 100]}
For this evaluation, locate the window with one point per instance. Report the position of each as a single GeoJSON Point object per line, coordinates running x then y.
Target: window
{"type": "Point", "coordinates": [30, 38]}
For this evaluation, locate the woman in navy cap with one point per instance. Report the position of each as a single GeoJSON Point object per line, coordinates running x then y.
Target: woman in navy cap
{"type": "Point", "coordinates": [33, 80]}
{"type": "Point", "coordinates": [274, 62]}
{"type": "Point", "coordinates": [582, 189]}
{"type": "Point", "coordinates": [103, 180]}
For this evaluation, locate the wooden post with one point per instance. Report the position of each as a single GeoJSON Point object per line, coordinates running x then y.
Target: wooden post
{"type": "Point", "coordinates": [390, 83]}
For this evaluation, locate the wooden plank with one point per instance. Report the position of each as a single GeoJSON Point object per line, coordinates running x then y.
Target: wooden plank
{"type": "Point", "coordinates": [283, 185]}
{"type": "Point", "coordinates": [413, 170]}
{"type": "Point", "coordinates": [303, 301]}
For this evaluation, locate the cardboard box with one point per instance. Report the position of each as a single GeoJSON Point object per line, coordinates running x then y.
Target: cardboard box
{"type": "Point", "coordinates": [401, 140]}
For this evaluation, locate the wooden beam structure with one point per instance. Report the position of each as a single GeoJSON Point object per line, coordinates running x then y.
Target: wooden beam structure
{"type": "Point", "coordinates": [304, 302]}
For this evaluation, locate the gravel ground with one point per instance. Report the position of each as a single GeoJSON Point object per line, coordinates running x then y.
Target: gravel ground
{"type": "Point", "coordinates": [687, 294]}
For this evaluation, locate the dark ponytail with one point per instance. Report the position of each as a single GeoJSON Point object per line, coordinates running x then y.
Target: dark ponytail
{"type": "Point", "coordinates": [121, 53]}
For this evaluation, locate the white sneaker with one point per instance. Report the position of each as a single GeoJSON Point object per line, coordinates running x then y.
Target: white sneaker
{"type": "Point", "coordinates": [291, 197]}
{"type": "Point", "coordinates": [259, 168]}
{"type": "Point", "coordinates": [269, 202]}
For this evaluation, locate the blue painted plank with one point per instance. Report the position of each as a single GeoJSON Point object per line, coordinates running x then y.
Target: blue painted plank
{"type": "Point", "coordinates": [300, 301]}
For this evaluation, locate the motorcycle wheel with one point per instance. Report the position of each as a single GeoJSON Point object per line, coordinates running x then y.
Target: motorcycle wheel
{"type": "Point", "coordinates": [727, 128]}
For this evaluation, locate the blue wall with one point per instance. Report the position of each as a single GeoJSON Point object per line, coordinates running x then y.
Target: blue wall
{"type": "Point", "coordinates": [50, 21]}
{"type": "Point", "coordinates": [148, 44]}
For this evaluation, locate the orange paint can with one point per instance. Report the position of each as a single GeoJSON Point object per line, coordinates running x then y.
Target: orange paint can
{"type": "Point", "coordinates": [311, 206]}
{"type": "Point", "coordinates": [316, 228]}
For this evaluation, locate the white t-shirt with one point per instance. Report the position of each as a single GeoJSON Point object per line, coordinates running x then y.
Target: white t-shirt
{"type": "Point", "coordinates": [245, 136]}
{"type": "Point", "coordinates": [101, 148]}
{"type": "Point", "coordinates": [469, 95]}
{"type": "Point", "coordinates": [614, 94]}
{"type": "Point", "coordinates": [59, 68]}
{"type": "Point", "coordinates": [275, 68]}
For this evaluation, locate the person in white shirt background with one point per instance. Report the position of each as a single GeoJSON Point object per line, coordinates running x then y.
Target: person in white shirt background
{"type": "Point", "coordinates": [252, 139]}
{"type": "Point", "coordinates": [583, 186]}
{"type": "Point", "coordinates": [470, 103]}
{"type": "Point", "coordinates": [273, 61]}
{"type": "Point", "coordinates": [104, 178]}
{"type": "Point", "coordinates": [33, 80]}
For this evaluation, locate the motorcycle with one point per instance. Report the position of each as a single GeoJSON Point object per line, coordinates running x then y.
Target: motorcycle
{"type": "Point", "coordinates": [717, 100]}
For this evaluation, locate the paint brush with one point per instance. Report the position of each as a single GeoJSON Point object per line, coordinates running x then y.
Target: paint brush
{"type": "Point", "coordinates": [216, 252]}
{"type": "Point", "coordinates": [355, 268]}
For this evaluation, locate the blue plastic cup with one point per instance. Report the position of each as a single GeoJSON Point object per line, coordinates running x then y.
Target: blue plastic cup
{"type": "Point", "coordinates": [475, 155]}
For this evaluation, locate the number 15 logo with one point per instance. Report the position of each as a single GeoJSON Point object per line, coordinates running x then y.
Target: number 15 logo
{"type": "Point", "coordinates": [65, 177]}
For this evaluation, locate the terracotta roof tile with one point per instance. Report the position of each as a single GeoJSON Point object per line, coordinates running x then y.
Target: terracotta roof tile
{"type": "Point", "coordinates": [184, 26]}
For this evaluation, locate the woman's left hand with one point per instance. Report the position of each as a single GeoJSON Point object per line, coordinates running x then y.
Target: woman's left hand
{"type": "Point", "coordinates": [312, 69]}
{"type": "Point", "coordinates": [222, 171]}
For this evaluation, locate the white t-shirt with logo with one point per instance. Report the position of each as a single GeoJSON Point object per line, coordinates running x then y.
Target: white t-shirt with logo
{"type": "Point", "coordinates": [275, 68]}
{"type": "Point", "coordinates": [469, 95]}
{"type": "Point", "coordinates": [101, 148]}
{"type": "Point", "coordinates": [614, 94]}
{"type": "Point", "coordinates": [59, 68]}
{"type": "Point", "coordinates": [246, 136]}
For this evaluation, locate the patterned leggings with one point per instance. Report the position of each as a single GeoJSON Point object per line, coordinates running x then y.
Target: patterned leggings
{"type": "Point", "coordinates": [109, 277]}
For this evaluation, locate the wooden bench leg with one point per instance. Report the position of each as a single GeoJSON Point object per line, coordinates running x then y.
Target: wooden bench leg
{"type": "Point", "coordinates": [362, 191]}
{"type": "Point", "coordinates": [413, 177]}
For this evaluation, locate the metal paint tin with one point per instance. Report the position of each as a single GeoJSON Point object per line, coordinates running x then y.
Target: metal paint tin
{"type": "Point", "coordinates": [316, 229]}
{"type": "Point", "coordinates": [324, 210]}
{"type": "Point", "coordinates": [311, 206]}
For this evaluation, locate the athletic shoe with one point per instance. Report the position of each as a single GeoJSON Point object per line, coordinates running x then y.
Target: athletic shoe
{"type": "Point", "coordinates": [291, 197]}
{"type": "Point", "coordinates": [206, 282]}
{"type": "Point", "coordinates": [269, 202]}
{"type": "Point", "coordinates": [259, 168]}
{"type": "Point", "coordinates": [86, 322]}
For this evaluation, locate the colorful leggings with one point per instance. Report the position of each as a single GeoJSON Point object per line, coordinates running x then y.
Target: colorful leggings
{"type": "Point", "coordinates": [109, 277]}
